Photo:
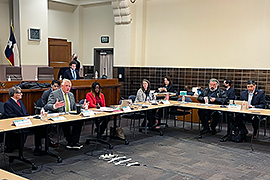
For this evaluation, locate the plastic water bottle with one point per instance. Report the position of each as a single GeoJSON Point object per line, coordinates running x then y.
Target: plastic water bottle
{"type": "Point", "coordinates": [183, 98]}
{"type": "Point", "coordinates": [42, 114]}
{"type": "Point", "coordinates": [9, 79]}
{"type": "Point", "coordinates": [86, 106]}
{"type": "Point", "coordinates": [60, 77]}
{"type": "Point", "coordinates": [36, 79]}
{"type": "Point", "coordinates": [244, 107]}
{"type": "Point", "coordinates": [96, 75]}
{"type": "Point", "coordinates": [148, 99]}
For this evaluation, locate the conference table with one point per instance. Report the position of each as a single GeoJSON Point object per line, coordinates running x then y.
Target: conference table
{"type": "Point", "coordinates": [4, 175]}
{"type": "Point", "coordinates": [7, 125]}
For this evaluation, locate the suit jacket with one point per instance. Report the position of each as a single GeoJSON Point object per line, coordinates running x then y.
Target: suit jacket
{"type": "Point", "coordinates": [170, 88]}
{"type": "Point", "coordinates": [45, 96]}
{"type": "Point", "coordinates": [258, 99]}
{"type": "Point", "coordinates": [68, 75]}
{"type": "Point", "coordinates": [92, 100]}
{"type": "Point", "coordinates": [12, 109]}
{"type": "Point", "coordinates": [230, 93]}
{"type": "Point", "coordinates": [59, 95]}
{"type": "Point", "coordinates": [220, 95]}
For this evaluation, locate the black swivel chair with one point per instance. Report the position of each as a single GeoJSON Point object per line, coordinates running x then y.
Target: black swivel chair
{"type": "Point", "coordinates": [38, 106]}
{"type": "Point", "coordinates": [132, 116]}
{"type": "Point", "coordinates": [181, 111]}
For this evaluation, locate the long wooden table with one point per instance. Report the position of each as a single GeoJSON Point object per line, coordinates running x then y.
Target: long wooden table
{"type": "Point", "coordinates": [9, 176]}
{"type": "Point", "coordinates": [110, 88]}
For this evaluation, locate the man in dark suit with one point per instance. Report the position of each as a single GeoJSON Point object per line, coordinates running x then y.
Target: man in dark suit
{"type": "Point", "coordinates": [55, 84]}
{"type": "Point", "coordinates": [62, 100]}
{"type": "Point", "coordinates": [215, 96]}
{"type": "Point", "coordinates": [72, 73]}
{"type": "Point", "coordinates": [228, 89]}
{"type": "Point", "coordinates": [14, 107]}
{"type": "Point", "coordinates": [255, 99]}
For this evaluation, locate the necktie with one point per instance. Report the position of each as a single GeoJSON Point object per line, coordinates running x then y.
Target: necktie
{"type": "Point", "coordinates": [67, 105]}
{"type": "Point", "coordinates": [74, 76]}
{"type": "Point", "coordinates": [18, 103]}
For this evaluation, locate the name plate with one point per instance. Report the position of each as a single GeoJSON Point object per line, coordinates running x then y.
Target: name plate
{"type": "Point", "coordinates": [234, 107]}
{"type": "Point", "coordinates": [59, 118]}
{"type": "Point", "coordinates": [165, 102]}
{"type": "Point", "coordinates": [88, 113]}
{"type": "Point", "coordinates": [126, 109]}
{"type": "Point", "coordinates": [22, 122]}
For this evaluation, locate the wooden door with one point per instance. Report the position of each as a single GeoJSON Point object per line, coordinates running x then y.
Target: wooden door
{"type": "Point", "coordinates": [59, 54]}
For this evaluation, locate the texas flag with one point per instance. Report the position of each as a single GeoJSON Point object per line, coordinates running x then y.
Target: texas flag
{"type": "Point", "coordinates": [11, 51]}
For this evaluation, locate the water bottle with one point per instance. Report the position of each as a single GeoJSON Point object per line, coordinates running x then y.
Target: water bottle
{"type": "Point", "coordinates": [183, 99]}
{"type": "Point", "coordinates": [9, 79]}
{"type": "Point", "coordinates": [96, 75]}
{"type": "Point", "coordinates": [206, 100]}
{"type": "Point", "coordinates": [60, 77]}
{"type": "Point", "coordinates": [42, 114]}
{"type": "Point", "coordinates": [86, 106]}
{"type": "Point", "coordinates": [148, 99]}
{"type": "Point", "coordinates": [36, 79]}
{"type": "Point", "coordinates": [244, 106]}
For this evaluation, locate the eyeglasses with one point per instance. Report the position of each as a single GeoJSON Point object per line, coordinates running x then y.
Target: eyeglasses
{"type": "Point", "coordinates": [55, 85]}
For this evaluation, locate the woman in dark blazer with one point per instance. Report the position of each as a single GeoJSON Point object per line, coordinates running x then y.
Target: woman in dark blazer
{"type": "Point", "coordinates": [168, 86]}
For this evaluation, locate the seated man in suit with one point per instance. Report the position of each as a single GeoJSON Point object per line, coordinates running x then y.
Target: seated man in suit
{"type": "Point", "coordinates": [228, 89]}
{"type": "Point", "coordinates": [215, 96]}
{"type": "Point", "coordinates": [255, 99]}
{"type": "Point", "coordinates": [55, 84]}
{"type": "Point", "coordinates": [62, 100]}
{"type": "Point", "coordinates": [72, 73]}
{"type": "Point", "coordinates": [14, 107]}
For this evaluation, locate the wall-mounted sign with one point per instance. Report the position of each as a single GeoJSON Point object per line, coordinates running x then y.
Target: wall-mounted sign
{"type": "Point", "coordinates": [104, 39]}
{"type": "Point", "coordinates": [34, 34]}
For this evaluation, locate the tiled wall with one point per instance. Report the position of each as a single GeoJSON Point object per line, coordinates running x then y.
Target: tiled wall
{"type": "Point", "coordinates": [191, 77]}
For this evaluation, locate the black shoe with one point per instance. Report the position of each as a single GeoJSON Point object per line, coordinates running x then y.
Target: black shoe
{"type": "Point", "coordinates": [74, 146]}
{"type": "Point", "coordinates": [204, 131]}
{"type": "Point", "coordinates": [37, 151]}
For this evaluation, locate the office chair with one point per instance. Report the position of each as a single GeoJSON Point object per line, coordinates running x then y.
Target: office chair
{"type": "Point", "coordinates": [45, 73]}
{"type": "Point", "coordinates": [181, 111]}
{"type": "Point", "coordinates": [38, 106]}
{"type": "Point", "coordinates": [132, 116]}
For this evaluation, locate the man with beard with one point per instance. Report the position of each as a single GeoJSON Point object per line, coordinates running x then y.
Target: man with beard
{"type": "Point", "coordinates": [255, 99]}
{"type": "Point", "coordinates": [215, 96]}
{"type": "Point", "coordinates": [228, 89]}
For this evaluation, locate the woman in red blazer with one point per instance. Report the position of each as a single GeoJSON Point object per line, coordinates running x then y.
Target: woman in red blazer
{"type": "Point", "coordinates": [95, 98]}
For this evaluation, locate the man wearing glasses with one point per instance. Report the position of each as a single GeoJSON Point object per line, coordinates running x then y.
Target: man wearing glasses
{"type": "Point", "coordinates": [14, 107]}
{"type": "Point", "coordinates": [55, 84]}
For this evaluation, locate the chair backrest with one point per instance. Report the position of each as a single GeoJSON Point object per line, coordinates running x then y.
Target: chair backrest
{"type": "Point", "coordinates": [37, 106]}
{"type": "Point", "coordinates": [187, 99]}
{"type": "Point", "coordinates": [1, 110]}
{"type": "Point", "coordinates": [81, 101]}
{"type": "Point", "coordinates": [14, 73]}
{"type": "Point", "coordinates": [132, 97]}
{"type": "Point", "coordinates": [45, 73]}
{"type": "Point", "coordinates": [62, 71]}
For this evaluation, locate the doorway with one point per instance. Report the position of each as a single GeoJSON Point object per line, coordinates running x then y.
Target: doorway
{"type": "Point", "coordinates": [103, 62]}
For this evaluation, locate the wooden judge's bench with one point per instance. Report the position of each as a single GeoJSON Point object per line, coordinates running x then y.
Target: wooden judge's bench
{"type": "Point", "coordinates": [110, 88]}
